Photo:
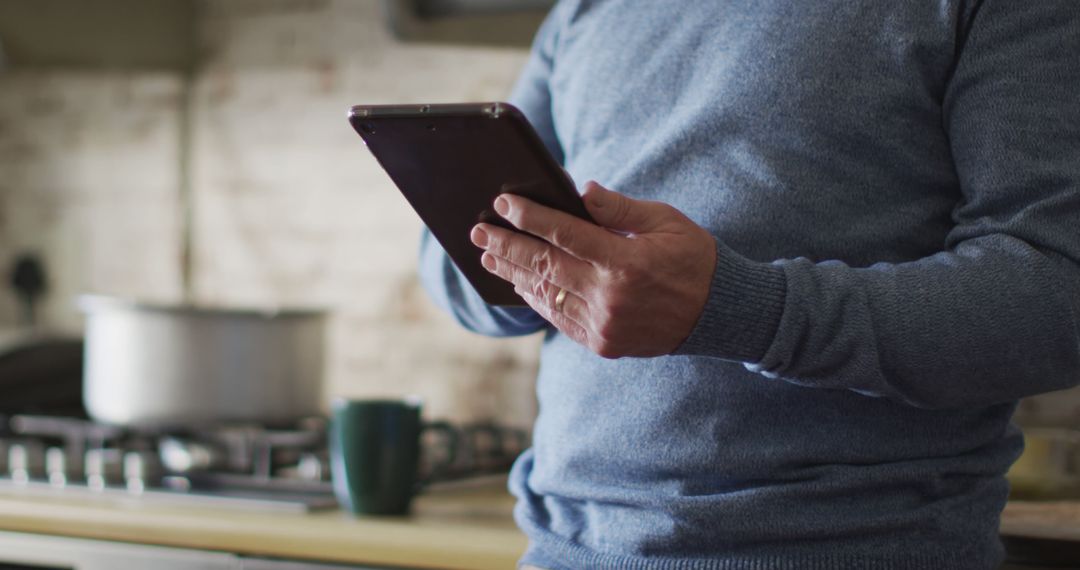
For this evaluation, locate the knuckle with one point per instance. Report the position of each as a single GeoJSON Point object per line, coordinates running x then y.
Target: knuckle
{"type": "Point", "coordinates": [561, 235]}
{"type": "Point", "coordinates": [554, 274]}
{"type": "Point", "coordinates": [532, 300]}
{"type": "Point", "coordinates": [607, 325]}
{"type": "Point", "coordinates": [606, 350]}
{"type": "Point", "coordinates": [520, 213]}
{"type": "Point", "coordinates": [606, 331]}
{"type": "Point", "coordinates": [622, 209]}
{"type": "Point", "coordinates": [662, 210]}
{"type": "Point", "coordinates": [538, 262]}
{"type": "Point", "coordinates": [498, 246]}
{"type": "Point", "coordinates": [543, 263]}
{"type": "Point", "coordinates": [619, 310]}
{"type": "Point", "coordinates": [541, 289]}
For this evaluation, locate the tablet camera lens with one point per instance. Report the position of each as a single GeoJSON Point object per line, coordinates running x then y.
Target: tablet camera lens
{"type": "Point", "coordinates": [367, 128]}
{"type": "Point", "coordinates": [431, 128]}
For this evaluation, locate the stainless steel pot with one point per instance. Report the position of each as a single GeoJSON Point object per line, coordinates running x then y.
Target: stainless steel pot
{"type": "Point", "coordinates": [150, 365]}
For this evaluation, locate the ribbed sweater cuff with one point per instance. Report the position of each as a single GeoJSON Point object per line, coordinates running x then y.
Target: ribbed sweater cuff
{"type": "Point", "coordinates": [746, 301]}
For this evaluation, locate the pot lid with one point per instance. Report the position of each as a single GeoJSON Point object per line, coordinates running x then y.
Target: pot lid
{"type": "Point", "coordinates": [94, 303]}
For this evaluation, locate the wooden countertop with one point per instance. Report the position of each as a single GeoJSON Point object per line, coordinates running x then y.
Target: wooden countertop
{"type": "Point", "coordinates": [464, 527]}
{"type": "Point", "coordinates": [1054, 520]}
{"type": "Point", "coordinates": [467, 528]}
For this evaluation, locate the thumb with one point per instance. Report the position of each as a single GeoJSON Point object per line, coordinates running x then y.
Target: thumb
{"type": "Point", "coordinates": [615, 211]}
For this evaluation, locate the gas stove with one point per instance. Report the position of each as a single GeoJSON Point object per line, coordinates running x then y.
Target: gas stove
{"type": "Point", "coordinates": [275, 468]}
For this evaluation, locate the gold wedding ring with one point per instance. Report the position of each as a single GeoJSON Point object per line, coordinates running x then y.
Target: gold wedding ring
{"type": "Point", "coordinates": [560, 299]}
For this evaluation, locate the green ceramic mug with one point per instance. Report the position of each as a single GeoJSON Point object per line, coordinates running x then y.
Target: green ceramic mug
{"type": "Point", "coordinates": [375, 454]}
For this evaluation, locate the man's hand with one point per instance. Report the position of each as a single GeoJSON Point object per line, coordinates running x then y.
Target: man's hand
{"type": "Point", "coordinates": [635, 284]}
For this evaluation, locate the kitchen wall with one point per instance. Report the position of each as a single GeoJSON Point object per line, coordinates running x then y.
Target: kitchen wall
{"type": "Point", "coordinates": [288, 207]}
{"type": "Point", "coordinates": [88, 178]}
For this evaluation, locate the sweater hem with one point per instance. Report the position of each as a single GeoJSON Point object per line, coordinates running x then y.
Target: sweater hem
{"type": "Point", "coordinates": [555, 553]}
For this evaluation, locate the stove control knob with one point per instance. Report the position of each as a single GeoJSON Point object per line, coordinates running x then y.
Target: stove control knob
{"type": "Point", "coordinates": [142, 469]}
{"type": "Point", "coordinates": [311, 467]}
{"type": "Point", "coordinates": [58, 469]}
{"type": "Point", "coordinates": [103, 468]}
{"type": "Point", "coordinates": [26, 461]}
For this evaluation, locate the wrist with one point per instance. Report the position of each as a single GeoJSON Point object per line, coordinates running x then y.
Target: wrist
{"type": "Point", "coordinates": [742, 310]}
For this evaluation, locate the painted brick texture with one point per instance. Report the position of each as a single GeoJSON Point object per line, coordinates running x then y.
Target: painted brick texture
{"type": "Point", "coordinates": [88, 179]}
{"type": "Point", "coordinates": [289, 209]}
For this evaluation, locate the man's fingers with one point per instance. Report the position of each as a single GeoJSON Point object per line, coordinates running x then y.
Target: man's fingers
{"type": "Point", "coordinates": [561, 320]}
{"type": "Point", "coordinates": [539, 272]}
{"type": "Point", "coordinates": [543, 292]}
{"type": "Point", "coordinates": [615, 211]}
{"type": "Point", "coordinates": [548, 262]}
{"type": "Point", "coordinates": [578, 237]}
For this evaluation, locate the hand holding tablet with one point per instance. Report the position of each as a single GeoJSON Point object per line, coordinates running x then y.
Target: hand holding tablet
{"type": "Point", "coordinates": [451, 162]}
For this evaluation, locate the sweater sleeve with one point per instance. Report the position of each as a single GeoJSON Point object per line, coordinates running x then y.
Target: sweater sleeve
{"type": "Point", "coordinates": [995, 315]}
{"type": "Point", "coordinates": [444, 282]}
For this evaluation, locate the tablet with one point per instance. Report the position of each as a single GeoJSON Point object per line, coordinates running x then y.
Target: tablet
{"type": "Point", "coordinates": [451, 162]}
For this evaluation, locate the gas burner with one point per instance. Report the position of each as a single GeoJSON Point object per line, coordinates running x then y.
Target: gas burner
{"type": "Point", "coordinates": [248, 465]}
{"type": "Point", "coordinates": [284, 468]}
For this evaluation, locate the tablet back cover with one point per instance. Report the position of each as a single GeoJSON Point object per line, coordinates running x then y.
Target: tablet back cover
{"type": "Point", "coordinates": [452, 161]}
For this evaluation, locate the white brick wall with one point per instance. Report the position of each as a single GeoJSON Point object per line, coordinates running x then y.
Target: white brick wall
{"type": "Point", "coordinates": [291, 209]}
{"type": "Point", "coordinates": [88, 179]}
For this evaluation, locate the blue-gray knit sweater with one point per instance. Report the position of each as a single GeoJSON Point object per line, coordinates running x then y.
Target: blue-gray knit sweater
{"type": "Point", "coordinates": [895, 188]}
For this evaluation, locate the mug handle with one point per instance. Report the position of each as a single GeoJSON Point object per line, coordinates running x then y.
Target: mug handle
{"type": "Point", "coordinates": [451, 439]}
